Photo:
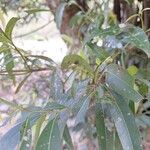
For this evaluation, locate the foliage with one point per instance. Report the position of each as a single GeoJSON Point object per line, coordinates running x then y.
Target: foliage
{"type": "Point", "coordinates": [103, 85]}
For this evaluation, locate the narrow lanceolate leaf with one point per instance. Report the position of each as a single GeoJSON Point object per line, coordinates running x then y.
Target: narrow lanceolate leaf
{"type": "Point", "coordinates": [101, 130]}
{"type": "Point", "coordinates": [67, 138]}
{"type": "Point", "coordinates": [82, 111]}
{"type": "Point", "coordinates": [22, 83]}
{"type": "Point", "coordinates": [3, 38]}
{"type": "Point", "coordinates": [56, 86]}
{"type": "Point", "coordinates": [50, 137]}
{"type": "Point", "coordinates": [137, 37]}
{"type": "Point", "coordinates": [78, 61]}
{"type": "Point", "coordinates": [25, 136]}
{"type": "Point", "coordinates": [122, 83]}
{"type": "Point", "coordinates": [9, 63]}
{"type": "Point", "coordinates": [59, 14]}
{"type": "Point", "coordinates": [125, 124]}
{"type": "Point", "coordinates": [11, 138]}
{"type": "Point", "coordinates": [10, 26]}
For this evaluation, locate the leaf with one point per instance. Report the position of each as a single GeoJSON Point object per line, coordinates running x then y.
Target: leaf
{"type": "Point", "coordinates": [43, 58]}
{"type": "Point", "coordinates": [11, 138]}
{"type": "Point", "coordinates": [113, 30]}
{"type": "Point", "coordinates": [101, 130]}
{"type": "Point", "coordinates": [50, 137]}
{"type": "Point", "coordinates": [56, 85]}
{"type": "Point", "coordinates": [9, 27]}
{"type": "Point", "coordinates": [38, 127]}
{"type": "Point", "coordinates": [22, 83]}
{"type": "Point", "coordinates": [137, 37]}
{"type": "Point", "coordinates": [32, 11]}
{"type": "Point", "coordinates": [67, 138]}
{"type": "Point", "coordinates": [98, 51]}
{"type": "Point", "coordinates": [80, 117]}
{"type": "Point", "coordinates": [9, 63]}
{"type": "Point", "coordinates": [122, 83]}
{"type": "Point", "coordinates": [77, 60]}
{"type": "Point", "coordinates": [25, 136]}
{"type": "Point", "coordinates": [59, 14]}
{"type": "Point", "coordinates": [3, 38]}
{"type": "Point", "coordinates": [125, 124]}
{"type": "Point", "coordinates": [53, 106]}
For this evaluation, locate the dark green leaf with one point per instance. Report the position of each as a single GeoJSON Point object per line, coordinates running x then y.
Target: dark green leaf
{"type": "Point", "coordinates": [56, 85]}
{"type": "Point", "coordinates": [134, 35]}
{"type": "Point", "coordinates": [77, 60]}
{"type": "Point", "coordinates": [67, 138]}
{"type": "Point", "coordinates": [50, 137]}
{"type": "Point", "coordinates": [9, 62]}
{"type": "Point", "coordinates": [82, 112]}
{"type": "Point", "coordinates": [122, 83]}
{"type": "Point", "coordinates": [125, 124]}
{"type": "Point", "coordinates": [101, 130]}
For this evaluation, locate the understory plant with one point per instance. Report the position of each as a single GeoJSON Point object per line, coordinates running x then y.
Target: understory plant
{"type": "Point", "coordinates": [98, 87]}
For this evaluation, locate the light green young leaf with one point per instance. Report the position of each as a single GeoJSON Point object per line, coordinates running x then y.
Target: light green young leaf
{"type": "Point", "coordinates": [59, 14]}
{"type": "Point", "coordinates": [10, 26]}
{"type": "Point", "coordinates": [125, 124]}
{"type": "Point", "coordinates": [77, 60]}
{"type": "Point", "coordinates": [50, 137]}
{"type": "Point", "coordinates": [122, 83]}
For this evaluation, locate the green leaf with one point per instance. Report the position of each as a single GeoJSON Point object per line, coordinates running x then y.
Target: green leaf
{"type": "Point", "coordinates": [38, 127]}
{"type": "Point", "coordinates": [101, 130]}
{"type": "Point", "coordinates": [113, 30]}
{"type": "Point", "coordinates": [26, 134]}
{"type": "Point", "coordinates": [122, 83]}
{"type": "Point", "coordinates": [59, 14]}
{"type": "Point", "coordinates": [80, 117]}
{"type": "Point", "coordinates": [125, 124]}
{"type": "Point", "coordinates": [67, 138]}
{"type": "Point", "coordinates": [11, 138]}
{"type": "Point", "coordinates": [22, 83]}
{"type": "Point", "coordinates": [9, 27]}
{"type": "Point", "coordinates": [9, 63]}
{"type": "Point", "coordinates": [32, 11]}
{"type": "Point", "coordinates": [53, 106]}
{"type": "Point", "coordinates": [56, 85]}
{"type": "Point", "coordinates": [3, 38]}
{"type": "Point", "coordinates": [137, 37]}
{"type": "Point", "coordinates": [50, 137]}
{"type": "Point", "coordinates": [77, 60]}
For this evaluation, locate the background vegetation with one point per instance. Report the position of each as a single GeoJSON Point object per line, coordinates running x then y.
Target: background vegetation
{"type": "Point", "coordinates": [102, 86]}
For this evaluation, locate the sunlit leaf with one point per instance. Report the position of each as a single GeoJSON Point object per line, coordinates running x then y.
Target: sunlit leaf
{"type": "Point", "coordinates": [9, 27]}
